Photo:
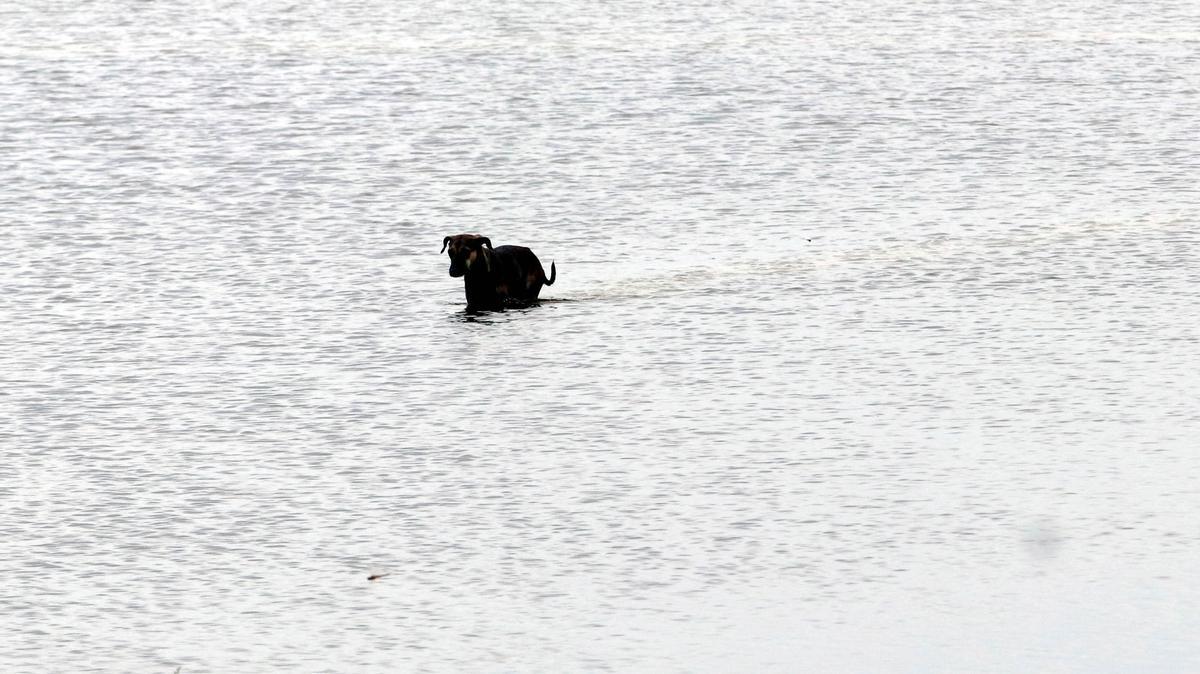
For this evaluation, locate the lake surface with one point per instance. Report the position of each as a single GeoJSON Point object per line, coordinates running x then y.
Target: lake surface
{"type": "Point", "coordinates": [874, 345]}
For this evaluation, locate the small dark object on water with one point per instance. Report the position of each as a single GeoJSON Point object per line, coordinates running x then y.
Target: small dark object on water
{"type": "Point", "coordinates": [495, 277]}
{"type": "Point", "coordinates": [377, 576]}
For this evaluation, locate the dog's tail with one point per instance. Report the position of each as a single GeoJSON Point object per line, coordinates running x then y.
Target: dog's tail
{"type": "Point", "coordinates": [550, 281]}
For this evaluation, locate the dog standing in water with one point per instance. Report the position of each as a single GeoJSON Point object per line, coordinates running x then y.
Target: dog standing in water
{"type": "Point", "coordinates": [495, 277]}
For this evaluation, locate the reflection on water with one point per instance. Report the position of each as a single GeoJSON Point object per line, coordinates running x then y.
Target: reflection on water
{"type": "Point", "coordinates": [871, 349]}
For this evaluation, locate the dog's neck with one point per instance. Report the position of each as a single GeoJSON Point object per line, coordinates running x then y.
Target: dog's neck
{"type": "Point", "coordinates": [480, 284]}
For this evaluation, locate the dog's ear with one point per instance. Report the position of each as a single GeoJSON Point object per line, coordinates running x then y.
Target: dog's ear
{"type": "Point", "coordinates": [487, 259]}
{"type": "Point", "coordinates": [445, 242]}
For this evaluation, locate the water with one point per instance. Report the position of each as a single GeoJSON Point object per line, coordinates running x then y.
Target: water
{"type": "Point", "coordinates": [954, 431]}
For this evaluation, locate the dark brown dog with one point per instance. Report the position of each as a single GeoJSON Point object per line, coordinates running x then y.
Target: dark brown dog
{"type": "Point", "coordinates": [495, 277]}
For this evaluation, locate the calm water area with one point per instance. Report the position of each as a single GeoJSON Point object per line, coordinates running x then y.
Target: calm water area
{"type": "Point", "coordinates": [873, 348]}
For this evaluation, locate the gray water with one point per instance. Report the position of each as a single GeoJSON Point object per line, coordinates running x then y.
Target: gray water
{"type": "Point", "coordinates": [873, 346]}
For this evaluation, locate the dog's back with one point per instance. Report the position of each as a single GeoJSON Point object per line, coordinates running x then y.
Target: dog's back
{"type": "Point", "coordinates": [521, 272]}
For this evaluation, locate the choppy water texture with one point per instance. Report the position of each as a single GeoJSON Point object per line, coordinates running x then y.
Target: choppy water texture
{"type": "Point", "coordinates": [955, 431]}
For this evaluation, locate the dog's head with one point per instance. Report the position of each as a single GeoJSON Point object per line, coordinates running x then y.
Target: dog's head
{"type": "Point", "coordinates": [466, 250]}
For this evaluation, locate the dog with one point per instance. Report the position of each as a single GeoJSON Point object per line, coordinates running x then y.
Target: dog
{"type": "Point", "coordinates": [495, 277]}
